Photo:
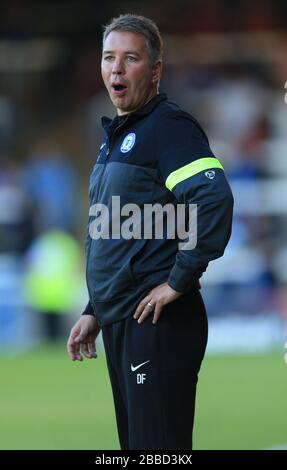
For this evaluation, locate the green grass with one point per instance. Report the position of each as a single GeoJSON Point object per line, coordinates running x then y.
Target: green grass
{"type": "Point", "coordinates": [242, 402]}
{"type": "Point", "coordinates": [49, 402]}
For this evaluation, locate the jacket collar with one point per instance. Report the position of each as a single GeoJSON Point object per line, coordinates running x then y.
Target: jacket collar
{"type": "Point", "coordinates": [143, 111]}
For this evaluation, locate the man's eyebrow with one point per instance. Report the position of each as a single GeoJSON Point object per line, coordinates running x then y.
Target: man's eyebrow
{"type": "Point", "coordinates": [126, 52]}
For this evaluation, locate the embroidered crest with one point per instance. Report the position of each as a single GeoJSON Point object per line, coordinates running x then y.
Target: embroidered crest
{"type": "Point", "coordinates": [128, 142]}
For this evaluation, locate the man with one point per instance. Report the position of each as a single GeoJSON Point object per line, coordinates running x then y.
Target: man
{"type": "Point", "coordinates": [144, 291]}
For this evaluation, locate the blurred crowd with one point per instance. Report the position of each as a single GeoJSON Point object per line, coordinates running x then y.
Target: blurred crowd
{"type": "Point", "coordinates": [41, 260]}
{"type": "Point", "coordinates": [231, 81]}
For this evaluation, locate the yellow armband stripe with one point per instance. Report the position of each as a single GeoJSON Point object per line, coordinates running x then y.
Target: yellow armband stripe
{"type": "Point", "coordinates": [191, 169]}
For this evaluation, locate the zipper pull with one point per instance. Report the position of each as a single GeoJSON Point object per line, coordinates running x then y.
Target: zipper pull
{"type": "Point", "coordinates": [107, 153]}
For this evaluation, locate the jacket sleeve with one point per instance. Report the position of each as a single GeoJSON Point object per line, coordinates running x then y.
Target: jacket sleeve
{"type": "Point", "coordinates": [195, 176]}
{"type": "Point", "coordinates": [89, 310]}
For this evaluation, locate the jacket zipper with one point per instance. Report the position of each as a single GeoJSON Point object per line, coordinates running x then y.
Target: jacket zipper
{"type": "Point", "coordinates": [109, 149]}
{"type": "Point", "coordinates": [108, 152]}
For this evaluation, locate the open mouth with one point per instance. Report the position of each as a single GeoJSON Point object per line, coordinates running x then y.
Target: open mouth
{"type": "Point", "coordinates": [119, 87]}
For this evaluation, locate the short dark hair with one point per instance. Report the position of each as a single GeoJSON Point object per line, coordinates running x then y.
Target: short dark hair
{"type": "Point", "coordinates": [140, 25]}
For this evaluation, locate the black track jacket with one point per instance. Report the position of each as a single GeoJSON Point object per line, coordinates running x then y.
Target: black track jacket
{"type": "Point", "coordinates": [158, 154]}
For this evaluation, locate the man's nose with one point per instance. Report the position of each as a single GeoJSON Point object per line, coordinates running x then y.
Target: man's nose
{"type": "Point", "coordinates": [118, 67]}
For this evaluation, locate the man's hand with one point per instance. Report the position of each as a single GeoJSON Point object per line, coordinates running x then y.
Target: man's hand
{"type": "Point", "coordinates": [155, 301]}
{"type": "Point", "coordinates": [82, 338]}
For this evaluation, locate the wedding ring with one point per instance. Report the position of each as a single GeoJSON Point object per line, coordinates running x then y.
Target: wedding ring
{"type": "Point", "coordinates": [150, 305]}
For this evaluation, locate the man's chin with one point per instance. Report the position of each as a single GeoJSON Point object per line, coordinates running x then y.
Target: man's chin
{"type": "Point", "coordinates": [124, 109]}
{"type": "Point", "coordinates": [119, 102]}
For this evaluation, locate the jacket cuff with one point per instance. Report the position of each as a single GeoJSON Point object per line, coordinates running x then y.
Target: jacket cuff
{"type": "Point", "coordinates": [182, 280]}
{"type": "Point", "coordinates": [89, 310]}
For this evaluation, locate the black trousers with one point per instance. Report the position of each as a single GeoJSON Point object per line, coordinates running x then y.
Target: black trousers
{"type": "Point", "coordinates": [153, 371]}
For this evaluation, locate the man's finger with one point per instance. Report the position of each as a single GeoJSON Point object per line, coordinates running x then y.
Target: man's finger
{"type": "Point", "coordinates": [70, 350]}
{"type": "Point", "coordinates": [85, 350]}
{"type": "Point", "coordinates": [141, 306]}
{"type": "Point", "coordinates": [157, 312]}
{"type": "Point", "coordinates": [73, 350]}
{"type": "Point", "coordinates": [92, 349]}
{"type": "Point", "coordinates": [80, 337]}
{"type": "Point", "coordinates": [147, 311]}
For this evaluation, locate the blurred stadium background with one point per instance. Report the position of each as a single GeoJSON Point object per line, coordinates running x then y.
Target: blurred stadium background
{"type": "Point", "coordinates": [224, 62]}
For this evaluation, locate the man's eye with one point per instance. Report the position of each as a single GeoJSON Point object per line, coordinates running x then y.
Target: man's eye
{"type": "Point", "coordinates": [132, 58]}
{"type": "Point", "coordinates": [108, 58]}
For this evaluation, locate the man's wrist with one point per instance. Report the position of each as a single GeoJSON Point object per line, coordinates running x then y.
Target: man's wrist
{"type": "Point", "coordinates": [181, 280]}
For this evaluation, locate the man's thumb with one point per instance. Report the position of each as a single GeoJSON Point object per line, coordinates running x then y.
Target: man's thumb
{"type": "Point", "coordinates": [80, 337]}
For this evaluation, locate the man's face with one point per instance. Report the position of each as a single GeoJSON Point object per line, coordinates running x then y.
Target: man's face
{"type": "Point", "coordinates": [127, 72]}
